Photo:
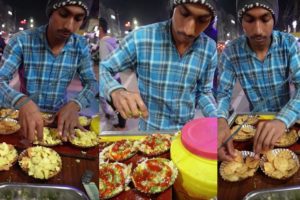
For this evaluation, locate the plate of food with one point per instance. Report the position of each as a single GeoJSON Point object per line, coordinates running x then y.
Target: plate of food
{"type": "Point", "coordinates": [9, 113]}
{"type": "Point", "coordinates": [40, 162]}
{"type": "Point", "coordinates": [50, 138]}
{"type": "Point", "coordinates": [113, 179]}
{"type": "Point", "coordinates": [84, 139]}
{"type": "Point", "coordinates": [246, 132]}
{"type": "Point", "coordinates": [155, 144]}
{"type": "Point", "coordinates": [120, 150]}
{"type": "Point", "coordinates": [9, 126]}
{"type": "Point", "coordinates": [287, 139]}
{"type": "Point", "coordinates": [279, 163]}
{"type": "Point", "coordinates": [8, 156]}
{"type": "Point", "coordinates": [243, 166]}
{"type": "Point", "coordinates": [250, 119]}
{"type": "Point", "coordinates": [154, 175]}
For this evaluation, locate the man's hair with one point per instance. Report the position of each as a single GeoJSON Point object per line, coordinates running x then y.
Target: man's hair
{"type": "Point", "coordinates": [103, 24]}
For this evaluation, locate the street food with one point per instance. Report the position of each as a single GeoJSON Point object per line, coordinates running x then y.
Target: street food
{"type": "Point", "coordinates": [9, 113]}
{"type": "Point", "coordinates": [121, 150]}
{"type": "Point", "coordinates": [113, 179]}
{"type": "Point", "coordinates": [245, 133]}
{"type": "Point", "coordinates": [50, 137]}
{"type": "Point", "coordinates": [9, 126]}
{"type": "Point", "coordinates": [84, 121]}
{"type": "Point", "coordinates": [279, 163]}
{"type": "Point", "coordinates": [40, 162]}
{"type": "Point", "coordinates": [154, 175]}
{"type": "Point", "coordinates": [250, 119]}
{"type": "Point", "coordinates": [84, 139]}
{"type": "Point", "coordinates": [155, 144]}
{"type": "Point", "coordinates": [8, 156]}
{"type": "Point", "coordinates": [287, 139]}
{"type": "Point", "coordinates": [243, 166]}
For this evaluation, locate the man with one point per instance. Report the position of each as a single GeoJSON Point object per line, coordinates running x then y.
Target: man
{"type": "Point", "coordinates": [262, 60]}
{"type": "Point", "coordinates": [47, 58]}
{"type": "Point", "coordinates": [174, 62]}
{"type": "Point", "coordinates": [107, 45]}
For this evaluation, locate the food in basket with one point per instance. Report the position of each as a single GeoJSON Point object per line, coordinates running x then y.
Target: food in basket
{"type": "Point", "coordinates": [10, 113]}
{"type": "Point", "coordinates": [84, 121]}
{"type": "Point", "coordinates": [155, 144]}
{"type": "Point", "coordinates": [287, 139]}
{"type": "Point", "coordinates": [154, 175]}
{"type": "Point", "coordinates": [40, 162]}
{"type": "Point", "coordinates": [113, 179]}
{"type": "Point", "coordinates": [243, 166]}
{"type": "Point", "coordinates": [8, 156]}
{"type": "Point", "coordinates": [245, 133]}
{"type": "Point", "coordinates": [9, 126]}
{"type": "Point", "coordinates": [50, 137]}
{"type": "Point", "coordinates": [121, 150]}
{"type": "Point", "coordinates": [250, 119]}
{"type": "Point", "coordinates": [279, 163]}
{"type": "Point", "coordinates": [84, 139]}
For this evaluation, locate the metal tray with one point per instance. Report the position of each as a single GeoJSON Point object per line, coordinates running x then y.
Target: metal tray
{"type": "Point", "coordinates": [282, 193]}
{"type": "Point", "coordinates": [24, 191]}
{"type": "Point", "coordinates": [235, 114]}
{"type": "Point", "coordinates": [135, 133]}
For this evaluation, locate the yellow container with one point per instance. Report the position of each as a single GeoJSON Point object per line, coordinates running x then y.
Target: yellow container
{"type": "Point", "coordinates": [197, 178]}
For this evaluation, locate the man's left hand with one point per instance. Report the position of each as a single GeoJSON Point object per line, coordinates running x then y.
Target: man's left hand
{"type": "Point", "coordinates": [267, 134]}
{"type": "Point", "coordinates": [67, 119]}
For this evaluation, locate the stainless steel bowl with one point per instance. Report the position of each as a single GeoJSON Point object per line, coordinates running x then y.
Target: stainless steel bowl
{"type": "Point", "coordinates": [24, 191]}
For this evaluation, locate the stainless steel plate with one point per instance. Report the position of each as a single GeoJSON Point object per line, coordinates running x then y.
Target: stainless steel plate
{"type": "Point", "coordinates": [283, 193]}
{"type": "Point", "coordinates": [23, 191]}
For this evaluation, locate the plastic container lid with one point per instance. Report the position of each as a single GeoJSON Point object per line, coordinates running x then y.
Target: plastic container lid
{"type": "Point", "coordinates": [199, 136]}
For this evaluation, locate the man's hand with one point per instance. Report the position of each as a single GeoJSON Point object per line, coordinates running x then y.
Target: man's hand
{"type": "Point", "coordinates": [30, 119]}
{"type": "Point", "coordinates": [227, 152]}
{"type": "Point", "coordinates": [267, 133]}
{"type": "Point", "coordinates": [129, 104]}
{"type": "Point", "coordinates": [67, 120]}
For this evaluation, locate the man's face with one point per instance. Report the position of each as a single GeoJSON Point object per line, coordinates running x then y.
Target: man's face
{"type": "Point", "coordinates": [188, 21]}
{"type": "Point", "coordinates": [65, 21]}
{"type": "Point", "coordinates": [258, 25]}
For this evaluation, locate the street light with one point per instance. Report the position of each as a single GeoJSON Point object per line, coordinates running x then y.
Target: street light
{"type": "Point", "coordinates": [3, 25]}
{"type": "Point", "coordinates": [113, 17]}
{"type": "Point", "coordinates": [294, 24]}
{"type": "Point", "coordinates": [232, 21]}
{"type": "Point", "coordinates": [10, 13]}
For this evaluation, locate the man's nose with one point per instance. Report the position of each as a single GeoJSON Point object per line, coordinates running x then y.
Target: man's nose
{"type": "Point", "coordinates": [258, 27]}
{"type": "Point", "coordinates": [69, 24]}
{"type": "Point", "coordinates": [190, 28]}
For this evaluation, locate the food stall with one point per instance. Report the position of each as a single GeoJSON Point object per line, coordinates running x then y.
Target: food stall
{"type": "Point", "coordinates": [190, 172]}
{"type": "Point", "coordinates": [268, 175]}
{"type": "Point", "coordinates": [74, 161]}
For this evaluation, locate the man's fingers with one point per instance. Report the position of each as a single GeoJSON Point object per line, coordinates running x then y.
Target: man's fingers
{"type": "Point", "coordinates": [143, 109]}
{"type": "Point", "coordinates": [31, 131]}
{"type": "Point", "coordinates": [230, 148]}
{"type": "Point", "coordinates": [257, 135]}
{"type": "Point", "coordinates": [40, 128]}
{"type": "Point", "coordinates": [267, 141]}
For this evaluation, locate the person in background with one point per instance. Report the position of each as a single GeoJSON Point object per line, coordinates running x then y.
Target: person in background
{"type": "Point", "coordinates": [107, 45]}
{"type": "Point", "coordinates": [263, 60]}
{"type": "Point", "coordinates": [47, 58]}
{"type": "Point", "coordinates": [174, 62]}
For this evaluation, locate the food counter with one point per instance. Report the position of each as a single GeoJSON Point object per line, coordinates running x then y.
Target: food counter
{"type": "Point", "coordinates": [238, 190]}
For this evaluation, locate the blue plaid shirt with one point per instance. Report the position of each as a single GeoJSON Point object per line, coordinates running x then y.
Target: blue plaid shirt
{"type": "Point", "coordinates": [171, 86]}
{"type": "Point", "coordinates": [45, 77]}
{"type": "Point", "coordinates": [265, 83]}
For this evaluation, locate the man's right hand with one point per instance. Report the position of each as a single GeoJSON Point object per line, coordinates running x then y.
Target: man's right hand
{"type": "Point", "coordinates": [226, 152]}
{"type": "Point", "coordinates": [31, 120]}
{"type": "Point", "coordinates": [129, 104]}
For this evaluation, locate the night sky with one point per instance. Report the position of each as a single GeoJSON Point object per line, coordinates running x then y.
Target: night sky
{"type": "Point", "coordinates": [36, 9]}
